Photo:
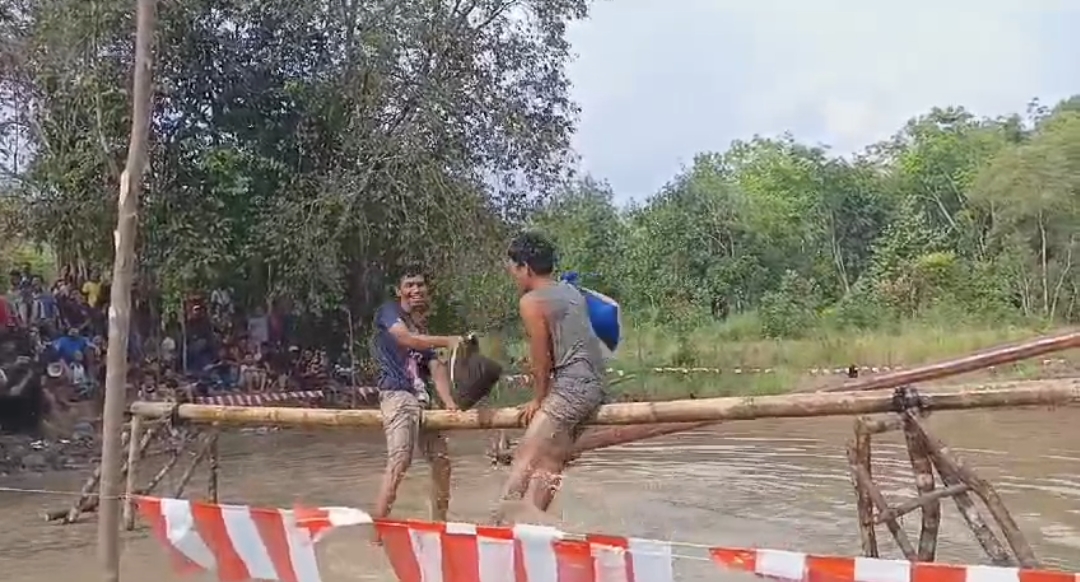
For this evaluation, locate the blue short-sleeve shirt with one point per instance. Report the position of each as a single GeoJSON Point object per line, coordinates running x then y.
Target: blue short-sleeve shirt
{"type": "Point", "coordinates": [398, 366]}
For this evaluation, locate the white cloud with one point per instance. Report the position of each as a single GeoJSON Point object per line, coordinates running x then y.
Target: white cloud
{"type": "Point", "coordinates": [660, 81]}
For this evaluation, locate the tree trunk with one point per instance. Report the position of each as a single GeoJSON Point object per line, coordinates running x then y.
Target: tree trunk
{"type": "Point", "coordinates": [120, 304]}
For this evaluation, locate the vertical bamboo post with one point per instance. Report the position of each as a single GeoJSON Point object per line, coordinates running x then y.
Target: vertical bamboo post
{"type": "Point", "coordinates": [859, 455]}
{"type": "Point", "coordinates": [120, 301]}
{"type": "Point", "coordinates": [132, 469]}
{"type": "Point", "coordinates": [924, 484]}
{"type": "Point", "coordinates": [212, 482]}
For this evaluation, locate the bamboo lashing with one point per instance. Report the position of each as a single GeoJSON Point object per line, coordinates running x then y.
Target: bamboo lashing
{"type": "Point", "coordinates": [695, 410]}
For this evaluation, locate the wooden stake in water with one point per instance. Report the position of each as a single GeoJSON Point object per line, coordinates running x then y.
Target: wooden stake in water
{"type": "Point", "coordinates": [112, 450]}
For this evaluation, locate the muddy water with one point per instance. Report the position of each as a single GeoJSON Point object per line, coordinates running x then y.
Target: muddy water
{"type": "Point", "coordinates": [780, 484]}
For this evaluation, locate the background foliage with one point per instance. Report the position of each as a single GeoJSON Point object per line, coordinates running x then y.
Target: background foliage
{"type": "Point", "coordinates": [304, 150]}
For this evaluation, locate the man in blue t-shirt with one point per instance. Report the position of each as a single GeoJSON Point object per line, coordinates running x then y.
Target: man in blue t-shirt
{"type": "Point", "coordinates": [406, 359]}
{"type": "Point", "coordinates": [68, 346]}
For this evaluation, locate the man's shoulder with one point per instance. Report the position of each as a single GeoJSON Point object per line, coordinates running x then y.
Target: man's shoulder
{"type": "Point", "coordinates": [390, 309]}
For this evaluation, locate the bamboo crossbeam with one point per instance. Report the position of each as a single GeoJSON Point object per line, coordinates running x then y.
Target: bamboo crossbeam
{"type": "Point", "coordinates": [695, 410]}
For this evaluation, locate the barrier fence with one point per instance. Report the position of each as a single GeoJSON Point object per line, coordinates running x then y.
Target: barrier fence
{"type": "Point", "coordinates": [238, 543]}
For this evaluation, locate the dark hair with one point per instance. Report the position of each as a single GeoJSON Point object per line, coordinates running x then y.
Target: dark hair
{"type": "Point", "coordinates": [410, 270]}
{"type": "Point", "coordinates": [533, 250]}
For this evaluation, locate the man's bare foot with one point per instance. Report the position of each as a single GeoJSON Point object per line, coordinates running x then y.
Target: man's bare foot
{"type": "Point", "coordinates": [375, 538]}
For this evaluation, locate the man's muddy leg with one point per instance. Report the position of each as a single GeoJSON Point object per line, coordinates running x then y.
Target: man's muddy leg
{"type": "Point", "coordinates": [550, 465]}
{"type": "Point", "coordinates": [527, 456]}
{"type": "Point", "coordinates": [401, 423]}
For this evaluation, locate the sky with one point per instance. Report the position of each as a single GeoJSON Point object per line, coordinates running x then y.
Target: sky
{"type": "Point", "coordinates": [659, 81]}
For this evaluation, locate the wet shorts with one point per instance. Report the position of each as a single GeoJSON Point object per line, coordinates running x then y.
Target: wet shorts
{"type": "Point", "coordinates": [402, 411]}
{"type": "Point", "coordinates": [571, 402]}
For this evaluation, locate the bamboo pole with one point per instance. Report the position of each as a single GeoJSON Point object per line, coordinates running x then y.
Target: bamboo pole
{"type": "Point", "coordinates": [87, 501]}
{"type": "Point", "coordinates": [132, 470]}
{"type": "Point", "coordinates": [924, 484]}
{"type": "Point", "coordinates": [502, 451]}
{"type": "Point", "coordinates": [862, 477]}
{"type": "Point", "coordinates": [120, 301]}
{"type": "Point", "coordinates": [970, 363]}
{"type": "Point", "coordinates": [164, 470]}
{"type": "Point", "coordinates": [947, 464]}
{"type": "Point", "coordinates": [202, 453]}
{"type": "Point", "coordinates": [212, 483]}
{"type": "Point", "coordinates": [907, 507]}
{"type": "Point", "coordinates": [880, 425]}
{"type": "Point", "coordinates": [859, 455]}
{"type": "Point", "coordinates": [695, 410]}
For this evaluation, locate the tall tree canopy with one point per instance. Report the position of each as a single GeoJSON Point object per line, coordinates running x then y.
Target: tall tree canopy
{"type": "Point", "coordinates": [300, 148]}
{"type": "Point", "coordinates": [306, 149]}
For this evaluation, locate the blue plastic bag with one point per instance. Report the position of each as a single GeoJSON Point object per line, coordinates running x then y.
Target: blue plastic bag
{"type": "Point", "coordinates": [604, 314]}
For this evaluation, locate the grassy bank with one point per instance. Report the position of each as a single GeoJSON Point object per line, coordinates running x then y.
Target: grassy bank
{"type": "Point", "coordinates": [738, 365]}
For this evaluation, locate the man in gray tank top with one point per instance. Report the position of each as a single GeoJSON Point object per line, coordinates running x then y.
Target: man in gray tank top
{"type": "Point", "coordinates": [567, 371]}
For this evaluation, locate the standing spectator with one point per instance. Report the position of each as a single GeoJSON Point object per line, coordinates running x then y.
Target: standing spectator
{"type": "Point", "coordinates": [45, 312]}
{"type": "Point", "coordinates": [64, 278]}
{"type": "Point", "coordinates": [201, 347]}
{"type": "Point", "coordinates": [258, 328]}
{"type": "Point", "coordinates": [17, 300]}
{"type": "Point", "coordinates": [221, 306]}
{"type": "Point", "coordinates": [92, 288]}
{"type": "Point", "coordinates": [75, 311]}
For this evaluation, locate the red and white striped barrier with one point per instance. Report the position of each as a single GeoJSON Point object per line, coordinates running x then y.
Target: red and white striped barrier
{"type": "Point", "coordinates": [810, 568]}
{"type": "Point", "coordinates": [240, 543]}
{"type": "Point", "coordinates": [260, 398]}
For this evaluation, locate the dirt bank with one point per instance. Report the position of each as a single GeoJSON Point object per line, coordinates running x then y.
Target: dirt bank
{"type": "Point", "coordinates": [22, 453]}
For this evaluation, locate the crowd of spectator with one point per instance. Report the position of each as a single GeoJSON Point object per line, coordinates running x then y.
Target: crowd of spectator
{"type": "Point", "coordinates": [209, 346]}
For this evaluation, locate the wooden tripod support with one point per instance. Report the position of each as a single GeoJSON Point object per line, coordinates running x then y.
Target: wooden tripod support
{"type": "Point", "coordinates": [929, 455]}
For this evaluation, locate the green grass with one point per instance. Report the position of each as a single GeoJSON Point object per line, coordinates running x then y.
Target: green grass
{"type": "Point", "coordinates": [729, 347]}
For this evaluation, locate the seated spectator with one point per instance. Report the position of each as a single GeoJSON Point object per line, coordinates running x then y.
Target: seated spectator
{"type": "Point", "coordinates": [71, 347]}
{"type": "Point", "coordinates": [83, 382]}
{"type": "Point", "coordinates": [223, 372]}
{"type": "Point", "coordinates": [253, 375]}
{"type": "Point", "coordinates": [168, 353]}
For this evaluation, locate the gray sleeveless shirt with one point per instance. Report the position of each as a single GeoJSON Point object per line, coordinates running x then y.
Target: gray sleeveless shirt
{"type": "Point", "coordinates": [576, 350]}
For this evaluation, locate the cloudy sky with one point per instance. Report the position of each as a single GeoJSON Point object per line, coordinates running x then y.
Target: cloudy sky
{"type": "Point", "coordinates": [659, 81]}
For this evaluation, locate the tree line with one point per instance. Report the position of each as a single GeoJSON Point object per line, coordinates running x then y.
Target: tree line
{"type": "Point", "coordinates": [955, 217]}
{"type": "Point", "coordinates": [307, 149]}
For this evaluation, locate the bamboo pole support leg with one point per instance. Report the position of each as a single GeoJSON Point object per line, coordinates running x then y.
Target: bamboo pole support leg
{"type": "Point", "coordinates": [859, 455]}
{"type": "Point", "coordinates": [924, 484]}
{"type": "Point", "coordinates": [132, 471]}
{"type": "Point", "coordinates": [173, 459]}
{"type": "Point", "coordinates": [956, 469]}
{"type": "Point", "coordinates": [87, 500]}
{"type": "Point", "coordinates": [212, 484]}
{"type": "Point", "coordinates": [875, 495]}
{"type": "Point", "coordinates": [204, 450]}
